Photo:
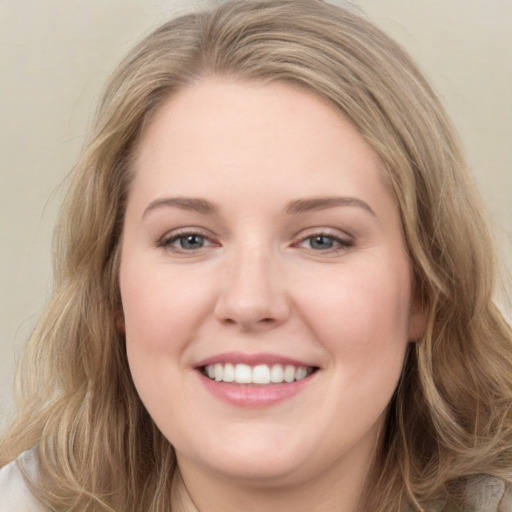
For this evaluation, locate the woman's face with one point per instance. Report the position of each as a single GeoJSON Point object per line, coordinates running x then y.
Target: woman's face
{"type": "Point", "coordinates": [265, 284]}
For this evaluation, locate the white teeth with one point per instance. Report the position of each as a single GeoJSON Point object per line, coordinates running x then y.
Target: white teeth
{"type": "Point", "coordinates": [276, 374]}
{"type": "Point", "coordinates": [259, 374]}
{"type": "Point", "coordinates": [218, 370]}
{"type": "Point", "coordinates": [301, 373]}
{"type": "Point", "coordinates": [243, 374]}
{"type": "Point", "coordinates": [229, 373]}
{"type": "Point", "coordinates": [289, 373]}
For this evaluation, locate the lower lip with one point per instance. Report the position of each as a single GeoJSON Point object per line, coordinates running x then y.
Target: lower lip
{"type": "Point", "coordinates": [247, 395]}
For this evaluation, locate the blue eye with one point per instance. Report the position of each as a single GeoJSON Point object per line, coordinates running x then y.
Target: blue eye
{"type": "Point", "coordinates": [190, 242]}
{"type": "Point", "coordinates": [324, 242]}
{"type": "Point", "coordinates": [321, 242]}
{"type": "Point", "coordinates": [185, 242]}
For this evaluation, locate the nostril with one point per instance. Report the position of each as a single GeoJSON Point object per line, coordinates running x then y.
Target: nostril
{"type": "Point", "coordinates": [251, 310]}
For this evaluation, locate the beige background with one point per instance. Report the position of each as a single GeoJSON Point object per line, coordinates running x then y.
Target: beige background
{"type": "Point", "coordinates": [56, 54]}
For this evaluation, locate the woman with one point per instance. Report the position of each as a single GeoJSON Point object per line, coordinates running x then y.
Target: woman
{"type": "Point", "coordinates": [273, 286]}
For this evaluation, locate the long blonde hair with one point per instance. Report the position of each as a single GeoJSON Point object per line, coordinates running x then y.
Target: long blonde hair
{"type": "Point", "coordinates": [96, 446]}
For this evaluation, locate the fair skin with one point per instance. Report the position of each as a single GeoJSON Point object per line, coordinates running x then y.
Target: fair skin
{"type": "Point", "coordinates": [259, 232]}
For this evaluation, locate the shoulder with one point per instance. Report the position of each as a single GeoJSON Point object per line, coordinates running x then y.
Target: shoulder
{"type": "Point", "coordinates": [15, 495]}
{"type": "Point", "coordinates": [488, 494]}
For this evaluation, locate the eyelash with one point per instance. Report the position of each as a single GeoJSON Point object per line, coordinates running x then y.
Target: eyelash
{"type": "Point", "coordinates": [167, 241]}
{"type": "Point", "coordinates": [339, 243]}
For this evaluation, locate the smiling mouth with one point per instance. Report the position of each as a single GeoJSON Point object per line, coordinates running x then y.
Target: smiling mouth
{"type": "Point", "coordinates": [261, 374]}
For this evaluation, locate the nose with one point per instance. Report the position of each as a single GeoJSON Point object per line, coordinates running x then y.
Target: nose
{"type": "Point", "coordinates": [253, 293]}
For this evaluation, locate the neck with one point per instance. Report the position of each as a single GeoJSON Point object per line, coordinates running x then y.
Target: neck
{"type": "Point", "coordinates": [199, 491]}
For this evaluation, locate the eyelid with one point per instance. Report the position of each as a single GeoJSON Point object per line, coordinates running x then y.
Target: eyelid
{"type": "Point", "coordinates": [166, 240]}
{"type": "Point", "coordinates": [344, 240]}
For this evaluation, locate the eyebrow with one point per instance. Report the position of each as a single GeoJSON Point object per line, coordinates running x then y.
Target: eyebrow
{"type": "Point", "coordinates": [322, 203]}
{"type": "Point", "coordinates": [184, 203]}
{"type": "Point", "coordinates": [294, 207]}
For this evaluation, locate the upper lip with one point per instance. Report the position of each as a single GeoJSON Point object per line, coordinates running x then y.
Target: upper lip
{"type": "Point", "coordinates": [251, 359]}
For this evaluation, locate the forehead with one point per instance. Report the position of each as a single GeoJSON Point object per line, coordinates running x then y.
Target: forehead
{"type": "Point", "coordinates": [251, 135]}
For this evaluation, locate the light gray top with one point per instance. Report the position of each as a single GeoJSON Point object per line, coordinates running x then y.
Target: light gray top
{"type": "Point", "coordinates": [488, 494]}
{"type": "Point", "coordinates": [483, 493]}
{"type": "Point", "coordinates": [15, 496]}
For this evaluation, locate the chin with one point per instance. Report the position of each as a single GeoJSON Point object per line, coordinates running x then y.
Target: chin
{"type": "Point", "coordinates": [266, 458]}
{"type": "Point", "coordinates": [265, 472]}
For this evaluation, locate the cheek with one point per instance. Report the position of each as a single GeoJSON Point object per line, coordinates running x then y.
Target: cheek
{"type": "Point", "coordinates": [161, 306]}
{"type": "Point", "coordinates": [364, 328]}
{"type": "Point", "coordinates": [162, 309]}
{"type": "Point", "coordinates": [361, 315]}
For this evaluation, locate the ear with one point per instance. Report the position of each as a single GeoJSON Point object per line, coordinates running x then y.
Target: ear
{"type": "Point", "coordinates": [119, 321]}
{"type": "Point", "coordinates": [418, 319]}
